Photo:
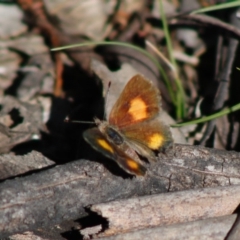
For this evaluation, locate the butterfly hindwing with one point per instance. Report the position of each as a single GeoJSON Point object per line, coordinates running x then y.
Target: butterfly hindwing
{"type": "Point", "coordinates": [147, 137]}
{"type": "Point", "coordinates": [99, 142]}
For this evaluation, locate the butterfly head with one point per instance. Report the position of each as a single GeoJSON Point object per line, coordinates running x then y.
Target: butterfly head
{"type": "Point", "coordinates": [102, 125]}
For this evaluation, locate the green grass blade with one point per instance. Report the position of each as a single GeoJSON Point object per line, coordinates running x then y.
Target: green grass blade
{"type": "Point", "coordinates": [210, 117]}
{"type": "Point", "coordinates": [180, 94]}
{"type": "Point", "coordinates": [217, 7]}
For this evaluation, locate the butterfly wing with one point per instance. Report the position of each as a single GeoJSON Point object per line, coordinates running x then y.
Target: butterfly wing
{"type": "Point", "coordinates": [99, 142]}
{"type": "Point", "coordinates": [139, 101]}
{"type": "Point", "coordinates": [147, 137]}
{"type": "Point", "coordinates": [135, 115]}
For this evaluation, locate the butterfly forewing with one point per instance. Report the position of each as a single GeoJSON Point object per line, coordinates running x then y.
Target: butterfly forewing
{"type": "Point", "coordinates": [139, 101]}
{"type": "Point", "coordinates": [99, 142]}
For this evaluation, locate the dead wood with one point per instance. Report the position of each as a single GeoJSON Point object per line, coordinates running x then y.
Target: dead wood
{"type": "Point", "coordinates": [222, 81]}
{"type": "Point", "coordinates": [88, 232]}
{"type": "Point", "coordinates": [207, 21]}
{"type": "Point", "coordinates": [61, 193]}
{"type": "Point", "coordinates": [212, 229]}
{"type": "Point", "coordinates": [234, 233]}
{"type": "Point", "coordinates": [27, 236]}
{"type": "Point", "coordinates": [15, 165]}
{"type": "Point", "coordinates": [168, 208]}
{"type": "Point", "coordinates": [196, 166]}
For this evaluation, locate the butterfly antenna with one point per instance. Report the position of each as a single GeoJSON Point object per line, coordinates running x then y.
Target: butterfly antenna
{"type": "Point", "coordinates": [106, 99]}
{"type": "Point", "coordinates": [68, 120]}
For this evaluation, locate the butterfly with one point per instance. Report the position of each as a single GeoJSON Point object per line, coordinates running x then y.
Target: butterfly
{"type": "Point", "coordinates": [133, 127]}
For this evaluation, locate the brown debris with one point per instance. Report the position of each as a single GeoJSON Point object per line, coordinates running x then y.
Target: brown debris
{"type": "Point", "coordinates": [25, 118]}
{"type": "Point", "coordinates": [35, 8]}
{"type": "Point", "coordinates": [198, 185]}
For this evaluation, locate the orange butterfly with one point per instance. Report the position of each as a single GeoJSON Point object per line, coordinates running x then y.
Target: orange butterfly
{"type": "Point", "coordinates": [133, 127]}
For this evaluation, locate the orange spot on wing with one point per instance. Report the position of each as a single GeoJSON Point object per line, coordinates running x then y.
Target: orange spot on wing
{"type": "Point", "coordinates": [155, 141]}
{"type": "Point", "coordinates": [132, 164]}
{"type": "Point", "coordinates": [104, 144]}
{"type": "Point", "coordinates": [138, 109]}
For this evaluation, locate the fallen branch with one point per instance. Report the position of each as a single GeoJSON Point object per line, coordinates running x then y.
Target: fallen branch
{"type": "Point", "coordinates": [214, 228]}
{"type": "Point", "coordinates": [169, 208]}
{"type": "Point", "coordinates": [62, 192]}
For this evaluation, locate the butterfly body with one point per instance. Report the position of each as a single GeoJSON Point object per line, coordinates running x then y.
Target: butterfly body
{"type": "Point", "coordinates": [132, 128]}
{"type": "Point", "coordinates": [109, 131]}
